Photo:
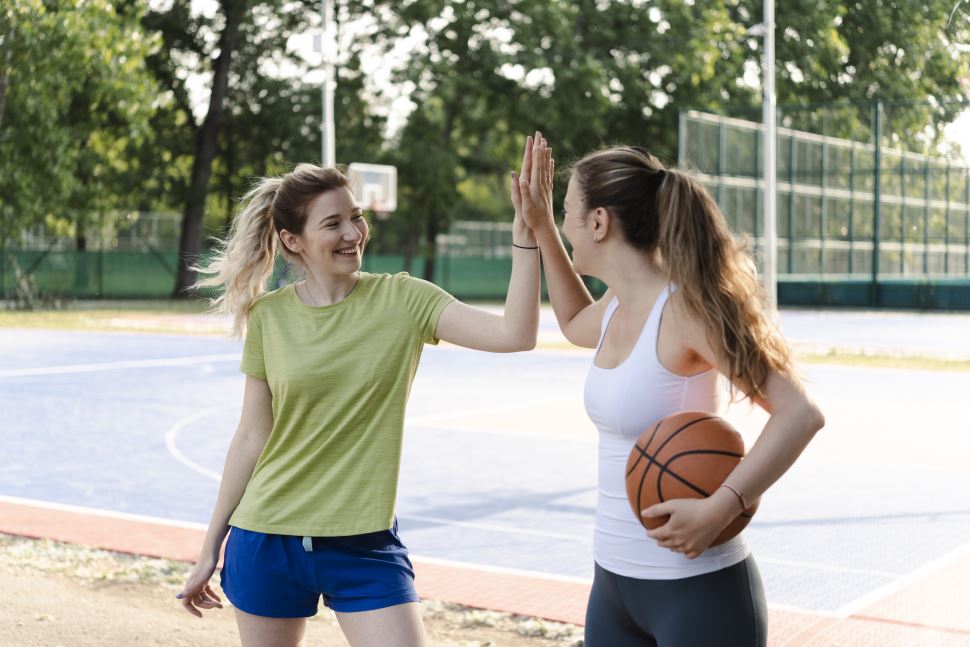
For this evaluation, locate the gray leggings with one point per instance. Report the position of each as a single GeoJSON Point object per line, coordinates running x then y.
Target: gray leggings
{"type": "Point", "coordinates": [725, 608]}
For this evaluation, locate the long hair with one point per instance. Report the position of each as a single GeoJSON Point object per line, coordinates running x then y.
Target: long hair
{"type": "Point", "coordinates": [666, 210]}
{"type": "Point", "coordinates": [244, 261]}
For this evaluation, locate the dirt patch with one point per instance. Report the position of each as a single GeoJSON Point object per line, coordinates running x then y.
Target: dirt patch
{"type": "Point", "coordinates": [64, 595]}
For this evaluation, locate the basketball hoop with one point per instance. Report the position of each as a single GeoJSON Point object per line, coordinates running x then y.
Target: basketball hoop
{"type": "Point", "coordinates": [375, 188]}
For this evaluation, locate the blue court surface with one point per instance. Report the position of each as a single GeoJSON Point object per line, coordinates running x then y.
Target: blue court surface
{"type": "Point", "coordinates": [499, 466]}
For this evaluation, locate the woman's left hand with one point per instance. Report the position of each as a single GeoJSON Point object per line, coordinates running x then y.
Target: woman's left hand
{"type": "Point", "coordinates": [693, 523]}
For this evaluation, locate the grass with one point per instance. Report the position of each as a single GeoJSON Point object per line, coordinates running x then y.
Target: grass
{"type": "Point", "coordinates": [169, 316]}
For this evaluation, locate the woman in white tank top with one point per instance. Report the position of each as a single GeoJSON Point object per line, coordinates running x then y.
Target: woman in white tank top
{"type": "Point", "coordinates": [683, 308]}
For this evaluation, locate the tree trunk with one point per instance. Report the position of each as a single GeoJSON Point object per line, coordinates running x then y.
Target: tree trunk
{"type": "Point", "coordinates": [431, 235]}
{"type": "Point", "coordinates": [4, 76]}
{"type": "Point", "coordinates": [435, 217]}
{"type": "Point", "coordinates": [190, 245]}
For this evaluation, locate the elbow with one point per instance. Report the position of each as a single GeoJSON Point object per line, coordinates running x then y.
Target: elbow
{"type": "Point", "coordinates": [526, 344]}
{"type": "Point", "coordinates": [814, 418]}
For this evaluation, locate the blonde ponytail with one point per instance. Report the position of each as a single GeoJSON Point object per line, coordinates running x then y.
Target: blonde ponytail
{"type": "Point", "coordinates": [718, 282]}
{"type": "Point", "coordinates": [245, 260]}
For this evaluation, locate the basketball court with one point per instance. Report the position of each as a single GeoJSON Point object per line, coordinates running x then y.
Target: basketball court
{"type": "Point", "coordinates": [118, 440]}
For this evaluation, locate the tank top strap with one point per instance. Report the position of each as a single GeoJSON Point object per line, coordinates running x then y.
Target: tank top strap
{"type": "Point", "coordinates": [651, 330]}
{"type": "Point", "coordinates": [607, 315]}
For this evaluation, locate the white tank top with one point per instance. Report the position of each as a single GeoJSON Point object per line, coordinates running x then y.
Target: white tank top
{"type": "Point", "coordinates": [622, 402]}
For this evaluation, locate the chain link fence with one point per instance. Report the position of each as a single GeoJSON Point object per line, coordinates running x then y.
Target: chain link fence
{"type": "Point", "coordinates": [857, 223]}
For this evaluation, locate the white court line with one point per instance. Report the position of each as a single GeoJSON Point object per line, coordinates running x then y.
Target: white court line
{"type": "Point", "coordinates": [126, 516]}
{"type": "Point", "coordinates": [826, 567]}
{"type": "Point", "coordinates": [882, 592]}
{"type": "Point", "coordinates": [481, 411]}
{"type": "Point", "coordinates": [502, 570]}
{"type": "Point", "coordinates": [495, 528]}
{"type": "Point", "coordinates": [100, 512]}
{"type": "Point", "coordinates": [116, 366]}
{"type": "Point", "coordinates": [173, 431]}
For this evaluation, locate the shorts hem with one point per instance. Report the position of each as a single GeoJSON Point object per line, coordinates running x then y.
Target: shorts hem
{"type": "Point", "coordinates": [266, 612]}
{"type": "Point", "coordinates": [372, 604]}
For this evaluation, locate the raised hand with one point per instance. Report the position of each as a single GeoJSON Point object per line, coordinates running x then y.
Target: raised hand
{"type": "Point", "coordinates": [532, 188]}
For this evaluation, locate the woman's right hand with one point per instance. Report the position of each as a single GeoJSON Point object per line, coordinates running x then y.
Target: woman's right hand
{"type": "Point", "coordinates": [532, 192]}
{"type": "Point", "coordinates": [197, 594]}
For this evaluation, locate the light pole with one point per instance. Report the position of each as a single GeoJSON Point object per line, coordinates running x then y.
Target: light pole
{"type": "Point", "coordinates": [328, 49]}
{"type": "Point", "coordinates": [768, 117]}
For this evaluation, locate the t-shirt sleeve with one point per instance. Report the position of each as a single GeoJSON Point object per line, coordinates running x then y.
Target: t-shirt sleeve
{"type": "Point", "coordinates": [252, 357]}
{"type": "Point", "coordinates": [425, 302]}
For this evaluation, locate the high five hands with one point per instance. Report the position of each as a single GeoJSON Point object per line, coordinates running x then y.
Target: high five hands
{"type": "Point", "coordinates": [532, 188]}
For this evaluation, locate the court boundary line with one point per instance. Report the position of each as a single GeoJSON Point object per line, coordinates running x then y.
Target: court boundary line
{"type": "Point", "coordinates": [864, 601]}
{"type": "Point", "coordinates": [189, 360]}
{"type": "Point", "coordinates": [172, 433]}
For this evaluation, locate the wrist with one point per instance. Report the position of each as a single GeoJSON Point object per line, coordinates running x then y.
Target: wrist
{"type": "Point", "coordinates": [727, 503]}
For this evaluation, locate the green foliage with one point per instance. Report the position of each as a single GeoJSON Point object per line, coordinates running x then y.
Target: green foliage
{"type": "Point", "coordinates": [77, 95]}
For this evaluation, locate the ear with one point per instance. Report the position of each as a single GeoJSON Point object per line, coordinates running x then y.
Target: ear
{"type": "Point", "coordinates": [601, 224]}
{"type": "Point", "coordinates": [291, 241]}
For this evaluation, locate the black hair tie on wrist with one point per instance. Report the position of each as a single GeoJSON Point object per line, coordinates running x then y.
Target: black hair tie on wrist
{"type": "Point", "coordinates": [523, 246]}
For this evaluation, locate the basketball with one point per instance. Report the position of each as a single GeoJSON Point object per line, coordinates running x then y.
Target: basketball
{"type": "Point", "coordinates": [684, 456]}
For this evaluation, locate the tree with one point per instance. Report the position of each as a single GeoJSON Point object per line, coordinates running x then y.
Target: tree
{"type": "Point", "coordinates": [74, 93]}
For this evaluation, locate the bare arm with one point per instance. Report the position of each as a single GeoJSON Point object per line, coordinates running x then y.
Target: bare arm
{"type": "Point", "coordinates": [793, 422]}
{"type": "Point", "coordinates": [247, 444]}
{"type": "Point", "coordinates": [517, 328]}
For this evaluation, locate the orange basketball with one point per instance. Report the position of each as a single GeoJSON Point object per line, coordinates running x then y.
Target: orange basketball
{"type": "Point", "coordinates": [684, 456]}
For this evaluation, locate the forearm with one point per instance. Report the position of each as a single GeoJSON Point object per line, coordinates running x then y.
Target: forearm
{"type": "Point", "coordinates": [241, 459]}
{"type": "Point", "coordinates": [567, 292]}
{"type": "Point", "coordinates": [521, 319]}
{"type": "Point", "coordinates": [782, 441]}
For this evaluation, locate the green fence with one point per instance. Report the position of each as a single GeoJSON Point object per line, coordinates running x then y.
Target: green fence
{"type": "Point", "coordinates": [858, 224]}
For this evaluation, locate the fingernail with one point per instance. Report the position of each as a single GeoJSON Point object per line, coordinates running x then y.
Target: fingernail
{"type": "Point", "coordinates": [178, 596]}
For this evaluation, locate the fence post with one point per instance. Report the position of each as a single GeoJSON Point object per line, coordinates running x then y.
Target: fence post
{"type": "Point", "coordinates": [966, 226]}
{"type": "Point", "coordinates": [101, 254]}
{"type": "Point", "coordinates": [792, 163]}
{"type": "Point", "coordinates": [721, 137]}
{"type": "Point", "coordinates": [876, 201]}
{"type": "Point", "coordinates": [851, 205]}
{"type": "Point", "coordinates": [946, 223]}
{"type": "Point", "coordinates": [902, 213]}
{"type": "Point", "coordinates": [682, 139]}
{"type": "Point", "coordinates": [926, 216]}
{"type": "Point", "coordinates": [823, 184]}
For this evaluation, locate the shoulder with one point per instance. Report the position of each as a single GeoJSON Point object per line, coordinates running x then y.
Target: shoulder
{"type": "Point", "coordinates": [268, 301]}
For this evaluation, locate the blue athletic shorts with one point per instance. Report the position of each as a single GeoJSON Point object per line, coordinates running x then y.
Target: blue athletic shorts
{"type": "Point", "coordinates": [276, 576]}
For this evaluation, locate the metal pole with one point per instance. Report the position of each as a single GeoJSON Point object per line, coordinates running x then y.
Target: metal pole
{"type": "Point", "coordinates": [682, 139]}
{"type": "Point", "coordinates": [824, 215]}
{"type": "Point", "coordinates": [328, 49]}
{"type": "Point", "coordinates": [876, 201]}
{"type": "Point", "coordinates": [946, 224]}
{"type": "Point", "coordinates": [769, 117]}
{"type": "Point", "coordinates": [926, 216]}
{"type": "Point", "coordinates": [902, 214]}
{"type": "Point", "coordinates": [851, 207]}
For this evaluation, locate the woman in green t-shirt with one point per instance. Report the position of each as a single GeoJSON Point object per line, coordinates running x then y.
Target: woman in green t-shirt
{"type": "Point", "coordinates": [309, 483]}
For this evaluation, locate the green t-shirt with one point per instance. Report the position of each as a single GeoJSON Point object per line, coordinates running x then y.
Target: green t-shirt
{"type": "Point", "coordinates": [340, 376]}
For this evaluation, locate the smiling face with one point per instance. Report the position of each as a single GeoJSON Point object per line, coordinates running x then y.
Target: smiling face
{"type": "Point", "coordinates": [334, 235]}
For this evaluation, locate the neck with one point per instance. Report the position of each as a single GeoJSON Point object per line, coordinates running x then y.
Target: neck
{"type": "Point", "coordinates": [634, 276]}
{"type": "Point", "coordinates": [327, 289]}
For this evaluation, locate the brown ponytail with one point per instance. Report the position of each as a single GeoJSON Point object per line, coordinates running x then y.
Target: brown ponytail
{"type": "Point", "coordinates": [718, 282]}
{"type": "Point", "coordinates": [667, 210]}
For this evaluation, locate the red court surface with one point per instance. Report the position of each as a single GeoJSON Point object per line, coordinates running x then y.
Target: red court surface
{"type": "Point", "coordinates": [927, 608]}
